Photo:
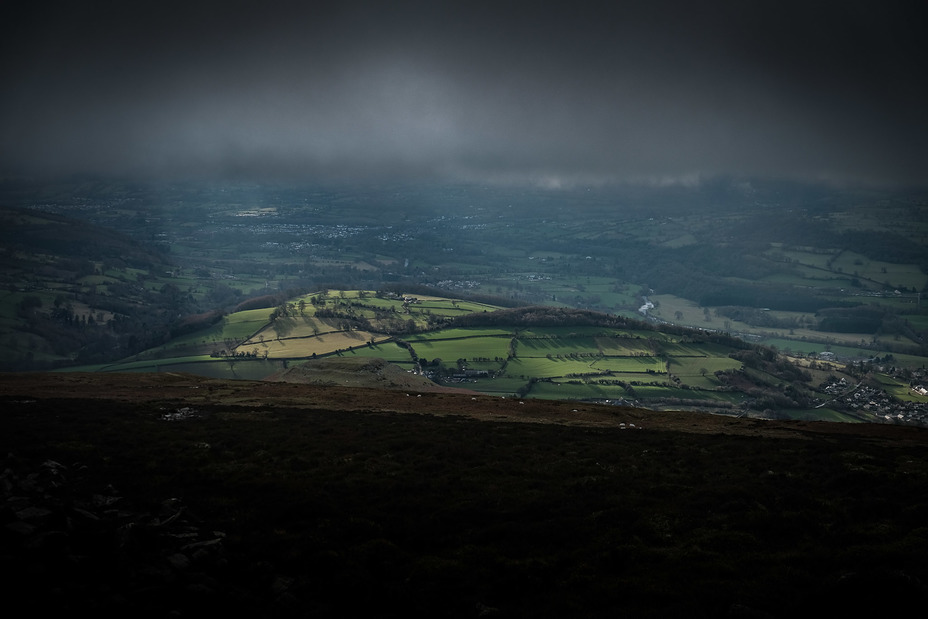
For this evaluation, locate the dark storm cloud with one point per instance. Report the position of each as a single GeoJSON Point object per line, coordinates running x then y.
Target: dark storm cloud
{"type": "Point", "coordinates": [510, 91]}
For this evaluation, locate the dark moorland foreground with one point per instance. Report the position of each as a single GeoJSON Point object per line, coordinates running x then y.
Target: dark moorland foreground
{"type": "Point", "coordinates": [174, 495]}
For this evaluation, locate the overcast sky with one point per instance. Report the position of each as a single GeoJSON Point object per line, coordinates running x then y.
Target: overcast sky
{"type": "Point", "coordinates": [540, 92]}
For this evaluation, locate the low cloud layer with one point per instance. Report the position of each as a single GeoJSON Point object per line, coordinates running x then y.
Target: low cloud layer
{"type": "Point", "coordinates": [505, 91]}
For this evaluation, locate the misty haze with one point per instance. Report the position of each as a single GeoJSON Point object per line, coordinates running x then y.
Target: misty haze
{"type": "Point", "coordinates": [484, 308]}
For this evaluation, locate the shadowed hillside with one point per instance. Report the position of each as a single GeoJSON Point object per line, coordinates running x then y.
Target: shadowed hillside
{"type": "Point", "coordinates": [169, 494]}
{"type": "Point", "coordinates": [357, 372]}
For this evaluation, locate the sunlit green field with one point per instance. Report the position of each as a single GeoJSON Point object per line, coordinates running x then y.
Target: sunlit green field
{"type": "Point", "coordinates": [700, 371]}
{"type": "Point", "coordinates": [636, 364]}
{"type": "Point", "coordinates": [547, 368]}
{"type": "Point", "coordinates": [459, 333]}
{"type": "Point", "coordinates": [654, 368]}
{"type": "Point", "coordinates": [468, 349]}
{"type": "Point", "coordinates": [568, 391]}
{"type": "Point", "coordinates": [582, 362]}
{"type": "Point", "coordinates": [621, 345]}
{"type": "Point", "coordinates": [543, 346]}
{"type": "Point", "coordinates": [389, 351]}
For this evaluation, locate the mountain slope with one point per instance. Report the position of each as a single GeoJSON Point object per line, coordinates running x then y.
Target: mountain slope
{"type": "Point", "coordinates": [173, 495]}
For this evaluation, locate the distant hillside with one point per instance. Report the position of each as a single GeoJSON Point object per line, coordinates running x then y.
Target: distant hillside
{"type": "Point", "coordinates": [375, 339]}
{"type": "Point", "coordinates": [546, 316]}
{"type": "Point", "coordinates": [77, 292]}
{"type": "Point", "coordinates": [59, 241]}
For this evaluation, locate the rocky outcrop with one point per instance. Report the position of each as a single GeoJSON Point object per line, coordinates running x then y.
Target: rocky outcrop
{"type": "Point", "coordinates": [70, 547]}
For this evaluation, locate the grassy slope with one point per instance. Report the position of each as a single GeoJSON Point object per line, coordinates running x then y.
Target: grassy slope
{"type": "Point", "coordinates": [574, 361]}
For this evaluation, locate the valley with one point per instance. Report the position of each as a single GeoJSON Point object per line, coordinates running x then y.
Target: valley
{"type": "Point", "coordinates": [240, 280]}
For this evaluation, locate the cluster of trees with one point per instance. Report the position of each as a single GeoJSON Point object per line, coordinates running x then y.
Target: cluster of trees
{"type": "Point", "coordinates": [864, 319]}
{"type": "Point", "coordinates": [289, 310]}
{"type": "Point", "coordinates": [195, 322]}
{"type": "Point", "coordinates": [60, 331]}
{"type": "Point", "coordinates": [758, 317]}
{"type": "Point", "coordinates": [260, 302]}
{"type": "Point", "coordinates": [543, 316]}
{"type": "Point", "coordinates": [767, 360]}
{"type": "Point", "coordinates": [241, 354]}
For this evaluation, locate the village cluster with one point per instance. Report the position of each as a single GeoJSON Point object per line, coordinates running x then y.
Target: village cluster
{"type": "Point", "coordinates": [874, 401]}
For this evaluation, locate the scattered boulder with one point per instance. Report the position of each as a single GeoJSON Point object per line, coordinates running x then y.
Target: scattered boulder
{"type": "Point", "coordinates": [71, 549]}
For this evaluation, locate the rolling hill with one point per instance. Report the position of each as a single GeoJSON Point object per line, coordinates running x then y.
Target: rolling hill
{"type": "Point", "coordinates": [536, 352]}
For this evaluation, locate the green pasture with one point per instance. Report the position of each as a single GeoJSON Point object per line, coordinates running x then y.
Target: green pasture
{"type": "Point", "coordinates": [676, 349]}
{"type": "Point", "coordinates": [901, 360]}
{"type": "Point", "coordinates": [623, 346]}
{"type": "Point", "coordinates": [548, 368]}
{"type": "Point", "coordinates": [203, 336]}
{"type": "Point", "coordinates": [899, 389]}
{"type": "Point", "coordinates": [571, 391]}
{"type": "Point", "coordinates": [630, 365]}
{"type": "Point", "coordinates": [490, 365]}
{"type": "Point", "coordinates": [242, 324]}
{"type": "Point", "coordinates": [890, 342]}
{"type": "Point", "coordinates": [439, 308]}
{"type": "Point", "coordinates": [864, 351]}
{"type": "Point", "coordinates": [305, 346]}
{"type": "Point", "coordinates": [297, 326]}
{"type": "Point", "coordinates": [406, 365]}
{"type": "Point", "coordinates": [464, 348]}
{"type": "Point", "coordinates": [897, 275]}
{"type": "Point", "coordinates": [460, 333]}
{"type": "Point", "coordinates": [838, 268]}
{"type": "Point", "coordinates": [693, 366]}
{"type": "Point", "coordinates": [389, 351]}
{"type": "Point", "coordinates": [370, 301]}
{"type": "Point", "coordinates": [542, 346]}
{"type": "Point", "coordinates": [605, 293]}
{"type": "Point", "coordinates": [684, 312]}
{"type": "Point", "coordinates": [472, 306]}
{"type": "Point", "coordinates": [697, 372]}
